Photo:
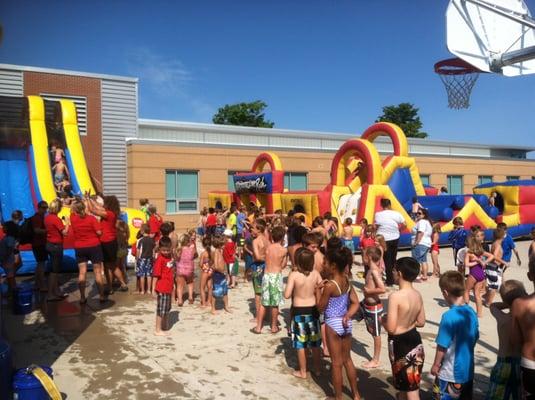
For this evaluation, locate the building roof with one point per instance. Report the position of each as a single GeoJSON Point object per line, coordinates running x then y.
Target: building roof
{"type": "Point", "coordinates": [67, 72]}
{"type": "Point", "coordinates": [170, 132]}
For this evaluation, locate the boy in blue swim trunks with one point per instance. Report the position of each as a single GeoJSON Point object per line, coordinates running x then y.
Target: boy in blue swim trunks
{"type": "Point", "coordinates": [219, 277]}
{"type": "Point", "coordinates": [457, 336]}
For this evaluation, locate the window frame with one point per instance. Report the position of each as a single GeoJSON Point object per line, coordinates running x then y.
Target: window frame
{"type": "Point", "coordinates": [176, 199]}
{"type": "Point", "coordinates": [449, 177]}
{"type": "Point", "coordinates": [289, 175]}
{"type": "Point", "coordinates": [428, 176]}
{"type": "Point", "coordinates": [481, 177]}
{"type": "Point", "coordinates": [512, 178]}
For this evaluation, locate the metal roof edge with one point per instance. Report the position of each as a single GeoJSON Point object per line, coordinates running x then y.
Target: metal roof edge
{"type": "Point", "coordinates": [313, 134]}
{"type": "Point", "coordinates": [68, 72]}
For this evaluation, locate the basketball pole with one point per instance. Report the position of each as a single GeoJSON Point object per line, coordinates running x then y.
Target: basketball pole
{"type": "Point", "coordinates": [513, 57]}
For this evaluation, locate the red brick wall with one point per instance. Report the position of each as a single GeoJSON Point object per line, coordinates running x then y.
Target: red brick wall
{"type": "Point", "coordinates": [36, 83]}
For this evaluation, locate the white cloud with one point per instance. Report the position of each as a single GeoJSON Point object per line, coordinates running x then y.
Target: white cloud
{"type": "Point", "coordinates": [167, 77]}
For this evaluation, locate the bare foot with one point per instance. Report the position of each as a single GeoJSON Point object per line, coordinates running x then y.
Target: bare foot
{"type": "Point", "coordinates": [370, 364]}
{"type": "Point", "coordinates": [275, 330]}
{"type": "Point", "coordinates": [160, 333]}
{"type": "Point", "coordinates": [213, 312]}
{"type": "Point", "coordinates": [299, 374]}
{"type": "Point", "coordinates": [228, 310]}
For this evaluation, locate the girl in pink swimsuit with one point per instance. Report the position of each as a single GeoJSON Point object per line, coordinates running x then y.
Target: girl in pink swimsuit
{"type": "Point", "coordinates": [186, 253]}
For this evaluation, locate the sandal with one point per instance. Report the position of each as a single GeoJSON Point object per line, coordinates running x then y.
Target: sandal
{"type": "Point", "coordinates": [253, 330]}
{"type": "Point", "coordinates": [123, 289]}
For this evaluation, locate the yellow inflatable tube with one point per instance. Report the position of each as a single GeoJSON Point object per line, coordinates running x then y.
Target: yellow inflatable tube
{"type": "Point", "coordinates": [43, 172]}
{"type": "Point", "coordinates": [135, 218]}
{"type": "Point", "coordinates": [472, 208]}
{"type": "Point", "coordinates": [72, 138]}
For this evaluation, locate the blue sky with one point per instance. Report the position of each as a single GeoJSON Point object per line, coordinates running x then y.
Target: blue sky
{"type": "Point", "coordinates": [326, 65]}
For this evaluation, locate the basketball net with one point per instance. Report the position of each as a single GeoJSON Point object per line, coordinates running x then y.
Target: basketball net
{"type": "Point", "coordinates": [459, 79]}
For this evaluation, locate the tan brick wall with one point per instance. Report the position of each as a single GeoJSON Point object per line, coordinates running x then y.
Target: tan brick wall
{"type": "Point", "coordinates": [36, 83]}
{"type": "Point", "coordinates": [147, 165]}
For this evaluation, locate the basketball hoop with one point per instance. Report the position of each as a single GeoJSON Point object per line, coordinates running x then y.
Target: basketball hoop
{"type": "Point", "coordinates": [459, 78]}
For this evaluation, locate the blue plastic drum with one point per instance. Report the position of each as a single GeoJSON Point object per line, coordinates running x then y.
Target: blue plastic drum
{"type": "Point", "coordinates": [27, 387]}
{"type": "Point", "coordinates": [6, 370]}
{"type": "Point", "coordinates": [22, 299]}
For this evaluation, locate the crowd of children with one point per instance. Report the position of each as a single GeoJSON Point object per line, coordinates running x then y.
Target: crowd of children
{"type": "Point", "coordinates": [324, 302]}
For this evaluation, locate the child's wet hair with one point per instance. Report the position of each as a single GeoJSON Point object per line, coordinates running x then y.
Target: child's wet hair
{"type": "Point", "coordinates": [261, 225]}
{"type": "Point", "coordinates": [511, 290]}
{"type": "Point", "coordinates": [338, 258]}
{"type": "Point", "coordinates": [334, 243]}
{"type": "Point", "coordinates": [304, 260]}
{"type": "Point", "coordinates": [348, 221]}
{"type": "Point", "coordinates": [458, 221]}
{"type": "Point", "coordinates": [453, 283]}
{"type": "Point", "coordinates": [298, 232]}
{"type": "Point", "coordinates": [408, 267]}
{"type": "Point", "coordinates": [501, 225]}
{"type": "Point", "coordinates": [437, 228]}
{"type": "Point", "coordinates": [145, 229]}
{"type": "Point", "coordinates": [166, 229]}
{"type": "Point", "coordinates": [206, 242]}
{"type": "Point", "coordinates": [311, 238]}
{"type": "Point", "coordinates": [164, 242]}
{"type": "Point", "coordinates": [143, 202]}
{"type": "Point", "coordinates": [185, 240]}
{"type": "Point", "coordinates": [278, 233]}
{"type": "Point", "coordinates": [369, 229]}
{"type": "Point", "coordinates": [498, 234]}
{"type": "Point", "coordinates": [363, 221]}
{"type": "Point", "coordinates": [218, 241]}
{"type": "Point", "coordinates": [373, 253]}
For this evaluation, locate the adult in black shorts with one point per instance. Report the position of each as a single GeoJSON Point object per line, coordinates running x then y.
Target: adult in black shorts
{"type": "Point", "coordinates": [56, 229]}
{"type": "Point", "coordinates": [109, 213]}
{"type": "Point", "coordinates": [86, 231]}
{"type": "Point", "coordinates": [39, 245]}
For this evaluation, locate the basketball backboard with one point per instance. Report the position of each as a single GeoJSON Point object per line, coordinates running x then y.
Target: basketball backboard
{"type": "Point", "coordinates": [492, 35]}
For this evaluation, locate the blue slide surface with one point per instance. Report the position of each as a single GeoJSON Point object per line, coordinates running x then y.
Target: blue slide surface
{"type": "Point", "coordinates": [15, 192]}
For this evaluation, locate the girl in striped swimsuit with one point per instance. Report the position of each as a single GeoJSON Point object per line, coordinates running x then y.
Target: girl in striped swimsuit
{"type": "Point", "coordinates": [339, 301]}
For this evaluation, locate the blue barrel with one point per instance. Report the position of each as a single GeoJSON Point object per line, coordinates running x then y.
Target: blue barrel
{"type": "Point", "coordinates": [22, 299]}
{"type": "Point", "coordinates": [27, 387]}
{"type": "Point", "coordinates": [6, 370]}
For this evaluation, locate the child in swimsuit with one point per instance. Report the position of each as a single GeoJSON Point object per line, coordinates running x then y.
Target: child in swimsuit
{"type": "Point", "coordinates": [338, 300]}
{"type": "Point", "coordinates": [505, 376]}
{"type": "Point", "coordinates": [406, 313]}
{"type": "Point", "coordinates": [272, 286]}
{"type": "Point", "coordinates": [457, 336]}
{"type": "Point", "coordinates": [205, 263]}
{"type": "Point", "coordinates": [186, 253]}
{"type": "Point", "coordinates": [219, 278]}
{"type": "Point", "coordinates": [347, 234]}
{"type": "Point", "coordinates": [495, 269]}
{"type": "Point", "coordinates": [371, 307]}
{"type": "Point", "coordinates": [304, 315]}
{"type": "Point", "coordinates": [476, 259]}
{"type": "Point", "coordinates": [435, 249]}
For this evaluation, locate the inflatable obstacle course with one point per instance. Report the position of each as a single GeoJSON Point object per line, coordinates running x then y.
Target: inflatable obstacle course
{"type": "Point", "coordinates": [359, 180]}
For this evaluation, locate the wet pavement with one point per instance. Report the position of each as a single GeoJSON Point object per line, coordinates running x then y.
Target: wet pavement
{"type": "Point", "coordinates": [109, 351]}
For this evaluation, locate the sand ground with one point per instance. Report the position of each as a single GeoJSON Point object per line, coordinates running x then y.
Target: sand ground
{"type": "Point", "coordinates": [110, 352]}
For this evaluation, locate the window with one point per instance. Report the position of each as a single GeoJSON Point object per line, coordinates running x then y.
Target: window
{"type": "Point", "coordinates": [425, 179]}
{"type": "Point", "coordinates": [81, 108]}
{"type": "Point", "coordinates": [482, 179]}
{"type": "Point", "coordinates": [455, 184]}
{"type": "Point", "coordinates": [295, 181]}
{"type": "Point", "coordinates": [512, 177]}
{"type": "Point", "coordinates": [230, 179]}
{"type": "Point", "coordinates": [181, 191]}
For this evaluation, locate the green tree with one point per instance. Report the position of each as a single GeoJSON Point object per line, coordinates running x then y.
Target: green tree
{"type": "Point", "coordinates": [405, 115]}
{"type": "Point", "coordinates": [243, 114]}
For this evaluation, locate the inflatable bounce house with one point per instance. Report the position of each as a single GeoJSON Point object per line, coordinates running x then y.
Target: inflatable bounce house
{"type": "Point", "coordinates": [28, 127]}
{"type": "Point", "coordinates": [359, 180]}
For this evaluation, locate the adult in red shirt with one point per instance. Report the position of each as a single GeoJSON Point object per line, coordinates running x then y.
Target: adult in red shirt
{"type": "Point", "coordinates": [155, 222]}
{"type": "Point", "coordinates": [55, 231]}
{"type": "Point", "coordinates": [211, 222]}
{"type": "Point", "coordinates": [86, 230]}
{"type": "Point", "coordinates": [39, 245]}
{"type": "Point", "coordinates": [108, 240]}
